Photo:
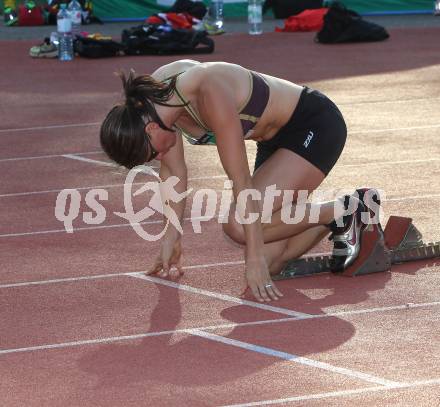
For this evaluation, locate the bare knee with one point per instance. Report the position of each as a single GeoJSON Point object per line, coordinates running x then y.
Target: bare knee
{"type": "Point", "coordinates": [234, 231]}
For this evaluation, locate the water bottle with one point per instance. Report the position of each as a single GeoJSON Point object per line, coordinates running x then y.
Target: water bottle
{"type": "Point", "coordinates": [65, 38]}
{"type": "Point", "coordinates": [255, 17]}
{"type": "Point", "coordinates": [437, 7]}
{"type": "Point", "coordinates": [216, 14]}
{"type": "Point", "coordinates": [75, 11]}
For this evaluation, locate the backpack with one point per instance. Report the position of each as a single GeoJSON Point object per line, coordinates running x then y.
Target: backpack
{"type": "Point", "coordinates": [195, 8]}
{"type": "Point", "coordinates": [343, 25]}
{"type": "Point", "coordinates": [158, 39]}
{"type": "Point", "coordinates": [97, 47]}
{"type": "Point", "coordinates": [30, 14]}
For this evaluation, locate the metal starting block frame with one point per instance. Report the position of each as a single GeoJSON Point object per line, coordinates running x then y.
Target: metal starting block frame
{"type": "Point", "coordinates": [400, 242]}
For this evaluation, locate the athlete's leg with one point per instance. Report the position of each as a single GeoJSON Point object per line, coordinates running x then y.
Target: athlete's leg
{"type": "Point", "coordinates": [287, 239]}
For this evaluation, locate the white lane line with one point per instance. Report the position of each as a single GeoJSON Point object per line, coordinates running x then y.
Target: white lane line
{"type": "Point", "coordinates": [112, 275]}
{"type": "Point", "coordinates": [218, 296]}
{"type": "Point", "coordinates": [89, 160]}
{"type": "Point", "coordinates": [410, 198]}
{"type": "Point", "coordinates": [295, 358]}
{"type": "Point", "coordinates": [37, 157]}
{"type": "Point", "coordinates": [212, 327]}
{"type": "Point", "coordinates": [121, 225]}
{"type": "Point", "coordinates": [338, 166]}
{"type": "Point", "coordinates": [225, 263]}
{"type": "Point", "coordinates": [59, 126]}
{"type": "Point", "coordinates": [49, 191]}
{"type": "Point", "coordinates": [381, 163]}
{"type": "Point", "coordinates": [231, 325]}
{"type": "Point", "coordinates": [201, 218]}
{"type": "Point", "coordinates": [62, 280]}
{"type": "Point", "coordinates": [98, 123]}
{"type": "Point", "coordinates": [79, 229]}
{"type": "Point", "coordinates": [392, 101]}
{"type": "Point", "coordinates": [431, 126]}
{"type": "Point", "coordinates": [89, 342]}
{"type": "Point", "coordinates": [341, 393]}
{"type": "Point", "coordinates": [98, 276]}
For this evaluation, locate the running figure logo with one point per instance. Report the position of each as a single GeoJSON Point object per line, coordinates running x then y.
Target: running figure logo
{"type": "Point", "coordinates": [163, 194]}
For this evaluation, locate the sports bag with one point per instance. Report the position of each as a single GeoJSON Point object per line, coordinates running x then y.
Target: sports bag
{"type": "Point", "coordinates": [344, 25]}
{"type": "Point", "coordinates": [30, 14]}
{"type": "Point", "coordinates": [158, 39]}
{"type": "Point", "coordinates": [97, 47]}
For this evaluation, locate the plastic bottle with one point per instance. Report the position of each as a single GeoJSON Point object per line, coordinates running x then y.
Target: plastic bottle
{"type": "Point", "coordinates": [9, 12]}
{"type": "Point", "coordinates": [75, 12]}
{"type": "Point", "coordinates": [216, 13]}
{"type": "Point", "coordinates": [65, 38]}
{"type": "Point", "coordinates": [255, 17]}
{"type": "Point", "coordinates": [437, 7]}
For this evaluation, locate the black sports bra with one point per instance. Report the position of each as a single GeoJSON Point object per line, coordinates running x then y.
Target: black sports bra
{"type": "Point", "coordinates": [249, 114]}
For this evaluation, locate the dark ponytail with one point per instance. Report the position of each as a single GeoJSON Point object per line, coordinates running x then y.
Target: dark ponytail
{"type": "Point", "coordinates": [122, 132]}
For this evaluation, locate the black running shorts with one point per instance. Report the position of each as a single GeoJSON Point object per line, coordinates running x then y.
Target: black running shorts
{"type": "Point", "coordinates": [316, 131]}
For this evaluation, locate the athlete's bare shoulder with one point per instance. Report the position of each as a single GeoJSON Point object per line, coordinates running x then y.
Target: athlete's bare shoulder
{"type": "Point", "coordinates": [202, 73]}
{"type": "Point", "coordinates": [173, 68]}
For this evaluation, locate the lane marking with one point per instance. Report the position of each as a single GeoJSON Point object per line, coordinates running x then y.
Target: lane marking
{"type": "Point", "coordinates": [430, 126]}
{"type": "Point", "coordinates": [341, 393]}
{"type": "Point", "coordinates": [410, 198]}
{"type": "Point", "coordinates": [67, 279]}
{"type": "Point", "coordinates": [85, 228]}
{"type": "Point", "coordinates": [88, 342]}
{"type": "Point", "coordinates": [37, 157]}
{"type": "Point", "coordinates": [98, 276]}
{"type": "Point", "coordinates": [426, 160]}
{"type": "Point", "coordinates": [69, 155]}
{"type": "Point", "coordinates": [97, 186]}
{"type": "Point", "coordinates": [392, 101]}
{"type": "Point", "coordinates": [57, 126]}
{"type": "Point", "coordinates": [120, 225]}
{"type": "Point", "coordinates": [295, 358]}
{"type": "Point", "coordinates": [204, 328]}
{"type": "Point", "coordinates": [218, 296]}
{"type": "Point", "coordinates": [89, 160]}
{"type": "Point", "coordinates": [188, 330]}
{"type": "Point", "coordinates": [63, 126]}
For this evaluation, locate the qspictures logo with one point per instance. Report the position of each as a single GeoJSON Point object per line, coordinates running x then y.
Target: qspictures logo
{"type": "Point", "coordinates": [206, 204]}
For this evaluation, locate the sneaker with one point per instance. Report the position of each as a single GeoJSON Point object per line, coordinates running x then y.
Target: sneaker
{"type": "Point", "coordinates": [45, 50]}
{"type": "Point", "coordinates": [347, 237]}
{"type": "Point", "coordinates": [212, 29]}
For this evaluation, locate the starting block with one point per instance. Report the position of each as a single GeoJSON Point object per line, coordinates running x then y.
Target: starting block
{"type": "Point", "coordinates": [400, 242]}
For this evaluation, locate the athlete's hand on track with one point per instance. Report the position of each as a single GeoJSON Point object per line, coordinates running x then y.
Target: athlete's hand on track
{"type": "Point", "coordinates": [170, 255]}
{"type": "Point", "coordinates": [259, 281]}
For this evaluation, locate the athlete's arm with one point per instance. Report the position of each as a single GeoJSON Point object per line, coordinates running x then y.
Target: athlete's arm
{"type": "Point", "coordinates": [216, 104]}
{"type": "Point", "coordinates": [173, 164]}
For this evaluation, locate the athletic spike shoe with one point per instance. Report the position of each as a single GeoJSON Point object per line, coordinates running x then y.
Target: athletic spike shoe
{"type": "Point", "coordinates": [347, 235]}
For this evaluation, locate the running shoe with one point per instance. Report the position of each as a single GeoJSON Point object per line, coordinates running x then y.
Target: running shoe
{"type": "Point", "coordinates": [347, 235]}
{"type": "Point", "coordinates": [45, 50]}
{"type": "Point", "coordinates": [212, 29]}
